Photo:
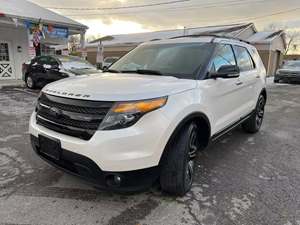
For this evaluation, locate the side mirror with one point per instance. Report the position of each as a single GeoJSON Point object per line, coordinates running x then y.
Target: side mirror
{"type": "Point", "coordinates": [226, 71]}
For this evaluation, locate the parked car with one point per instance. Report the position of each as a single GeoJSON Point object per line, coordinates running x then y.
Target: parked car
{"type": "Point", "coordinates": [150, 114]}
{"type": "Point", "coordinates": [290, 72]}
{"type": "Point", "coordinates": [45, 69]}
{"type": "Point", "coordinates": [108, 61]}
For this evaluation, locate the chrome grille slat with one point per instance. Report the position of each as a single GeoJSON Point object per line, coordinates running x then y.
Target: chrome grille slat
{"type": "Point", "coordinates": [78, 118]}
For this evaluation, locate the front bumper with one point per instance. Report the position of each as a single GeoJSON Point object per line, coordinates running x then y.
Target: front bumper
{"type": "Point", "coordinates": [88, 170]}
{"type": "Point", "coordinates": [134, 148]}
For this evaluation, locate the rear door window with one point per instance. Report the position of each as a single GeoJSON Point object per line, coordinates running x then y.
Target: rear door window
{"type": "Point", "coordinates": [244, 60]}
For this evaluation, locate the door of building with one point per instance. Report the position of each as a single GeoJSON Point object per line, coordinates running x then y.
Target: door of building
{"type": "Point", "coordinates": [6, 61]}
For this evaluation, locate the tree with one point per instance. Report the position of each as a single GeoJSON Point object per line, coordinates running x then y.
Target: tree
{"type": "Point", "coordinates": [292, 36]}
{"type": "Point", "coordinates": [292, 41]}
{"type": "Point", "coordinates": [74, 42]}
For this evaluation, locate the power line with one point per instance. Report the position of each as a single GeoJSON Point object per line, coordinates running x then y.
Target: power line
{"type": "Point", "coordinates": [251, 19]}
{"type": "Point", "coordinates": [120, 7]}
{"type": "Point", "coordinates": [181, 8]}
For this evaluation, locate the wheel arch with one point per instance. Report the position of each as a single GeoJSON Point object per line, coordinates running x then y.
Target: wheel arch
{"type": "Point", "coordinates": [264, 93]}
{"type": "Point", "coordinates": [205, 133]}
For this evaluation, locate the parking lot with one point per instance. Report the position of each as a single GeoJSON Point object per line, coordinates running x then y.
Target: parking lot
{"type": "Point", "coordinates": [241, 179]}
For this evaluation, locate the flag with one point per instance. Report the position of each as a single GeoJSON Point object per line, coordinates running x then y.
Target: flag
{"type": "Point", "coordinates": [36, 38]}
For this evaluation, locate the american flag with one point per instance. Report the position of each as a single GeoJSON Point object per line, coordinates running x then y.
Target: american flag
{"type": "Point", "coordinates": [36, 38]}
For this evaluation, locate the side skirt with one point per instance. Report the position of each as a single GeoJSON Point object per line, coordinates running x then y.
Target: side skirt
{"type": "Point", "coordinates": [230, 127]}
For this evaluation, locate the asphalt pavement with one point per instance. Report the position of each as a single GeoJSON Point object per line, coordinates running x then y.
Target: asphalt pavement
{"type": "Point", "coordinates": [242, 179]}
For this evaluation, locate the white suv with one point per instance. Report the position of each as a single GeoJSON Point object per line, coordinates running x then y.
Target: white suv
{"type": "Point", "coordinates": [146, 118]}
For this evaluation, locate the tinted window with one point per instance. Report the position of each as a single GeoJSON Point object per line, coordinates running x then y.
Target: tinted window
{"type": "Point", "coordinates": [52, 61]}
{"type": "Point", "coordinates": [42, 60]}
{"type": "Point", "coordinates": [243, 58]}
{"type": "Point", "coordinates": [223, 56]}
{"type": "Point", "coordinates": [182, 60]}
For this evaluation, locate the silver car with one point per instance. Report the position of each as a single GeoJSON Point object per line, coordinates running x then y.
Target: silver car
{"type": "Point", "coordinates": [290, 72]}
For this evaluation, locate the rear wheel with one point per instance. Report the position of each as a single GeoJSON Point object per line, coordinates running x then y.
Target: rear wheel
{"type": "Point", "coordinates": [178, 168]}
{"type": "Point", "coordinates": [253, 124]}
{"type": "Point", "coordinates": [30, 83]}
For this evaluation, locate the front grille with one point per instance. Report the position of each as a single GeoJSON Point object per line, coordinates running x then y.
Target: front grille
{"type": "Point", "coordinates": [77, 118]}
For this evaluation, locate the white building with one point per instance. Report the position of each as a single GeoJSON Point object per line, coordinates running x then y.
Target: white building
{"type": "Point", "coordinates": [19, 20]}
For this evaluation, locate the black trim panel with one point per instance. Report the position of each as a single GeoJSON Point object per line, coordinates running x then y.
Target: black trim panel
{"type": "Point", "coordinates": [86, 169]}
{"type": "Point", "coordinates": [230, 127]}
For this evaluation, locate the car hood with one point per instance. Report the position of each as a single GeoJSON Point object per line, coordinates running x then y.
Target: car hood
{"type": "Point", "coordinates": [292, 69]}
{"type": "Point", "coordinates": [83, 71]}
{"type": "Point", "coordinates": [118, 87]}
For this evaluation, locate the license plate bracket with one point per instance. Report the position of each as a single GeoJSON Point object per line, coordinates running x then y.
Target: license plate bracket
{"type": "Point", "coordinates": [50, 147]}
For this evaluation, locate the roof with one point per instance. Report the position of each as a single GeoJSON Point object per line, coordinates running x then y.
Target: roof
{"type": "Point", "coordinates": [122, 39]}
{"type": "Point", "coordinates": [268, 38]}
{"type": "Point", "coordinates": [265, 36]}
{"type": "Point", "coordinates": [24, 9]}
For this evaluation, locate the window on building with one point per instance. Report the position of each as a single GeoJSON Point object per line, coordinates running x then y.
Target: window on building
{"type": "Point", "coordinates": [4, 52]}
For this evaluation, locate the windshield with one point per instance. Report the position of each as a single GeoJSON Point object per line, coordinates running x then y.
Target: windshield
{"type": "Point", "coordinates": [182, 60]}
{"type": "Point", "coordinates": [73, 63]}
{"type": "Point", "coordinates": [289, 64]}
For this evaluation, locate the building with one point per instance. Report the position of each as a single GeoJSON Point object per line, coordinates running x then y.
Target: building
{"type": "Point", "coordinates": [291, 57]}
{"type": "Point", "coordinates": [26, 30]}
{"type": "Point", "coordinates": [271, 45]}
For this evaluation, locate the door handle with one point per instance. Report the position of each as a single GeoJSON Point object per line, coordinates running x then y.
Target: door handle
{"type": "Point", "coordinates": [239, 83]}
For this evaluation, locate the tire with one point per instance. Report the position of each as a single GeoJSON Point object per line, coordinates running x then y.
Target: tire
{"type": "Point", "coordinates": [30, 83]}
{"type": "Point", "coordinates": [253, 124]}
{"type": "Point", "coordinates": [276, 81]}
{"type": "Point", "coordinates": [177, 170]}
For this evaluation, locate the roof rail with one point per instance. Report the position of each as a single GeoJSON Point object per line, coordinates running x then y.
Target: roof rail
{"type": "Point", "coordinates": [214, 36]}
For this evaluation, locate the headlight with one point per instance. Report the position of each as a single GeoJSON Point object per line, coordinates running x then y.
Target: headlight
{"type": "Point", "coordinates": [125, 114]}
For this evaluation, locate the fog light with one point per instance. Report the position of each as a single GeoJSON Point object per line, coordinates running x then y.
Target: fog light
{"type": "Point", "coordinates": [113, 180]}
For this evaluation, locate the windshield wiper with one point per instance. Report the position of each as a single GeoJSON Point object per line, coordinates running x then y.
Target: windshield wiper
{"type": "Point", "coordinates": [111, 71]}
{"type": "Point", "coordinates": [143, 71]}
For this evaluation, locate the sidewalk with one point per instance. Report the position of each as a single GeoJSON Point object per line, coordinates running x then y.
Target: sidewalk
{"type": "Point", "coordinates": [11, 83]}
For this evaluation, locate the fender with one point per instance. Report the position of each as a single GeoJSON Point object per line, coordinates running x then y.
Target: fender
{"type": "Point", "coordinates": [183, 122]}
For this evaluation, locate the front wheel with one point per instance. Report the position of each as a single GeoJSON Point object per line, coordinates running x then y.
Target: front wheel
{"type": "Point", "coordinates": [30, 83]}
{"type": "Point", "coordinates": [178, 168]}
{"type": "Point", "coordinates": [253, 124]}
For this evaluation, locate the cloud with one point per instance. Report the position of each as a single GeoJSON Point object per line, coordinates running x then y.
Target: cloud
{"type": "Point", "coordinates": [189, 14]}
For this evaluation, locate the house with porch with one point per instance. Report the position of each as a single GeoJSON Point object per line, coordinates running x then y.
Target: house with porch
{"type": "Point", "coordinates": [27, 30]}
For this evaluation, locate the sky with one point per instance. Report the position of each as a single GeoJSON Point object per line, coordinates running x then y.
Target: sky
{"type": "Point", "coordinates": [170, 14]}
